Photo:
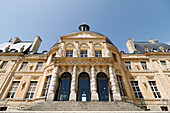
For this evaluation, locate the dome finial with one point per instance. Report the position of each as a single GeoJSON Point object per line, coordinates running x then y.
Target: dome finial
{"type": "Point", "coordinates": [84, 21]}
{"type": "Point", "coordinates": [84, 27]}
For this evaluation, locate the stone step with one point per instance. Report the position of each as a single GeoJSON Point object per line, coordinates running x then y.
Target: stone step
{"type": "Point", "coordinates": [82, 106]}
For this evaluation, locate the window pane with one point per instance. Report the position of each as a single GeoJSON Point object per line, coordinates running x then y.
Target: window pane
{"type": "Point", "coordinates": [98, 53]}
{"type": "Point", "coordinates": [39, 66]}
{"type": "Point", "coordinates": [83, 53]}
{"type": "Point", "coordinates": [3, 64]}
{"type": "Point", "coordinates": [24, 65]}
{"type": "Point", "coordinates": [69, 53]}
{"type": "Point", "coordinates": [13, 89]}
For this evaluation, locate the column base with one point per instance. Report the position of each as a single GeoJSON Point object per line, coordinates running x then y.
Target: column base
{"type": "Point", "coordinates": [94, 96]}
{"type": "Point", "coordinates": [72, 96]}
{"type": "Point", "coordinates": [50, 96]}
{"type": "Point", "coordinates": [116, 96]}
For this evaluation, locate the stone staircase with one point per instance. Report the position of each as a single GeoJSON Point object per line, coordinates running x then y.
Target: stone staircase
{"type": "Point", "coordinates": [81, 106]}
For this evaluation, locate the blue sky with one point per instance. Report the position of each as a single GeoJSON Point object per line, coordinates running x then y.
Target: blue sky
{"type": "Point", "coordinates": [116, 19]}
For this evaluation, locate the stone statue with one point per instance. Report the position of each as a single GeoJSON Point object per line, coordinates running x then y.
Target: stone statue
{"type": "Point", "coordinates": [146, 49]}
{"type": "Point", "coordinates": [76, 52]}
{"type": "Point", "coordinates": [91, 52]}
{"type": "Point", "coordinates": [7, 48]}
{"type": "Point", "coordinates": [60, 52]}
{"type": "Point", "coordinates": [22, 48]}
{"type": "Point", "coordinates": [107, 52]}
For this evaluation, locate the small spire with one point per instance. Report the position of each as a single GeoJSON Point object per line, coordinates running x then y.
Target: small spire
{"type": "Point", "coordinates": [84, 21]}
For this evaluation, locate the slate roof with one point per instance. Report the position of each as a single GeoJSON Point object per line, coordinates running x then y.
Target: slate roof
{"type": "Point", "coordinates": [151, 46]}
{"type": "Point", "coordinates": [16, 46]}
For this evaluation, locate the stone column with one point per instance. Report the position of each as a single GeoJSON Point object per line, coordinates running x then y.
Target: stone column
{"type": "Point", "coordinates": [52, 88]}
{"type": "Point", "coordinates": [73, 85]}
{"type": "Point", "coordinates": [114, 89]}
{"type": "Point", "coordinates": [94, 94]}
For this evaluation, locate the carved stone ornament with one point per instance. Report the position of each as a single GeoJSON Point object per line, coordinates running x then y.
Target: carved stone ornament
{"type": "Point", "coordinates": [76, 52]}
{"type": "Point", "coordinates": [107, 52]}
{"type": "Point", "coordinates": [60, 52]}
{"type": "Point", "coordinates": [91, 52]}
{"type": "Point", "coordinates": [84, 35]}
{"type": "Point", "coordinates": [150, 77]}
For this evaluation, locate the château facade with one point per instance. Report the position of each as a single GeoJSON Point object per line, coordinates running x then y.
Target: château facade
{"type": "Point", "coordinates": [84, 67]}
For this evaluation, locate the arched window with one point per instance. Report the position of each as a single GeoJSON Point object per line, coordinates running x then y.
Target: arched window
{"type": "Point", "coordinates": [102, 86]}
{"type": "Point", "coordinates": [83, 87]}
{"type": "Point", "coordinates": [63, 90]}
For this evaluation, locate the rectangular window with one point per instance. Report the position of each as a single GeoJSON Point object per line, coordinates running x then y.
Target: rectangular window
{"type": "Point", "coordinates": [13, 89]}
{"type": "Point", "coordinates": [24, 65]}
{"type": "Point", "coordinates": [47, 85]}
{"type": "Point", "coordinates": [31, 89]}
{"type": "Point", "coordinates": [114, 56]}
{"type": "Point", "coordinates": [144, 65]}
{"type": "Point", "coordinates": [120, 83]}
{"type": "Point", "coordinates": [69, 53]}
{"type": "Point", "coordinates": [83, 53]}
{"type": "Point", "coordinates": [164, 108]}
{"type": "Point", "coordinates": [154, 88]}
{"type": "Point", "coordinates": [98, 53]}
{"type": "Point", "coordinates": [128, 65]}
{"type": "Point", "coordinates": [136, 89]}
{"type": "Point", "coordinates": [4, 64]}
{"type": "Point", "coordinates": [39, 66]}
{"type": "Point", "coordinates": [164, 64]}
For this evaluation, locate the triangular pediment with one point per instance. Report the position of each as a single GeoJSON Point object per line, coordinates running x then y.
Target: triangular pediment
{"type": "Point", "coordinates": [83, 34]}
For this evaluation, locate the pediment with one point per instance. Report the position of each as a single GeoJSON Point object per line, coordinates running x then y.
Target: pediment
{"type": "Point", "coordinates": [83, 34]}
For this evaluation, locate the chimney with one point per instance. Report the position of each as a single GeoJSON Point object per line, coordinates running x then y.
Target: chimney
{"type": "Point", "coordinates": [130, 46]}
{"type": "Point", "coordinates": [16, 40]}
{"type": "Point", "coordinates": [36, 44]}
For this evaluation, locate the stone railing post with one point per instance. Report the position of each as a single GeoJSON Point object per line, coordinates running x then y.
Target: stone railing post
{"type": "Point", "coordinates": [94, 94]}
{"type": "Point", "coordinates": [52, 88]}
{"type": "Point", "coordinates": [114, 89]}
{"type": "Point", "coordinates": [73, 85]}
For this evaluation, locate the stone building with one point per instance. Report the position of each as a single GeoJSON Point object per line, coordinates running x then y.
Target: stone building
{"type": "Point", "coordinates": [84, 71]}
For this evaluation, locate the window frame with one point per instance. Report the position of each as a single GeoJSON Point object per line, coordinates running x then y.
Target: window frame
{"type": "Point", "coordinates": [24, 65]}
{"type": "Point", "coordinates": [128, 67]}
{"type": "Point", "coordinates": [164, 65]}
{"type": "Point", "coordinates": [46, 85]}
{"type": "Point", "coordinates": [69, 53]}
{"type": "Point", "coordinates": [13, 89]}
{"type": "Point", "coordinates": [83, 53]}
{"type": "Point", "coordinates": [144, 65]}
{"type": "Point", "coordinates": [31, 90]}
{"type": "Point", "coordinates": [137, 92]}
{"type": "Point", "coordinates": [154, 89]}
{"type": "Point", "coordinates": [38, 64]}
{"type": "Point", "coordinates": [4, 64]}
{"type": "Point", "coordinates": [121, 85]}
{"type": "Point", "coordinates": [98, 53]}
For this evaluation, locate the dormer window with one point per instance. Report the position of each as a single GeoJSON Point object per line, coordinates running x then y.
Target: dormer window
{"type": "Point", "coordinates": [155, 50]}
